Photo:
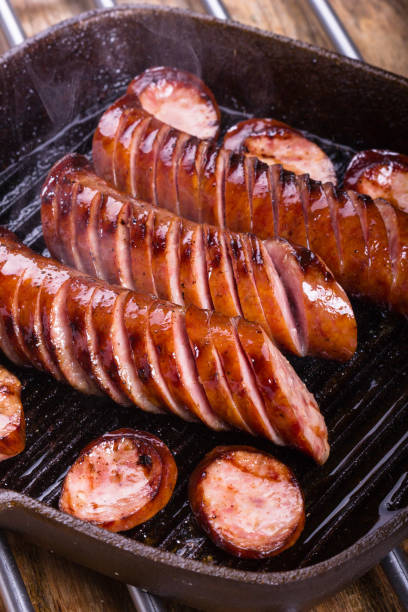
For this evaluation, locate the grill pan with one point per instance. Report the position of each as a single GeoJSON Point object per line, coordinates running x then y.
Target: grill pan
{"type": "Point", "coordinates": [53, 89]}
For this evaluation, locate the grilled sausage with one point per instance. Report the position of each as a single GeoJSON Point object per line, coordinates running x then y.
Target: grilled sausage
{"type": "Point", "coordinates": [12, 422]}
{"type": "Point", "coordinates": [274, 142]}
{"type": "Point", "coordinates": [178, 98]}
{"type": "Point", "coordinates": [290, 292]}
{"type": "Point", "coordinates": [363, 242]}
{"type": "Point", "coordinates": [380, 174]}
{"type": "Point", "coordinates": [141, 350]}
{"type": "Point", "coordinates": [247, 502]}
{"type": "Point", "coordinates": [120, 480]}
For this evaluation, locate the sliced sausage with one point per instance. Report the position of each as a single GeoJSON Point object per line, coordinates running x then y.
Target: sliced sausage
{"type": "Point", "coordinates": [179, 99]}
{"type": "Point", "coordinates": [299, 209]}
{"type": "Point", "coordinates": [120, 480]}
{"type": "Point", "coordinates": [274, 142]}
{"type": "Point", "coordinates": [12, 422]}
{"type": "Point", "coordinates": [248, 503]}
{"type": "Point", "coordinates": [152, 251]}
{"type": "Point", "coordinates": [145, 351]}
{"type": "Point", "coordinates": [380, 174]}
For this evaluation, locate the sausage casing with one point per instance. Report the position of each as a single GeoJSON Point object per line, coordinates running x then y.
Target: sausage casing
{"type": "Point", "coordinates": [285, 288]}
{"type": "Point", "coordinates": [149, 357]}
{"type": "Point", "coordinates": [363, 243]}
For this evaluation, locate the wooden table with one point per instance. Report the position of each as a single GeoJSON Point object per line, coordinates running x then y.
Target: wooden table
{"type": "Point", "coordinates": [380, 30]}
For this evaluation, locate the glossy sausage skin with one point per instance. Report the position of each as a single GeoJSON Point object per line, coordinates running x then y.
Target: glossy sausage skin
{"type": "Point", "coordinates": [95, 228]}
{"type": "Point", "coordinates": [145, 351]}
{"type": "Point", "coordinates": [363, 242]}
{"type": "Point", "coordinates": [380, 174]}
{"type": "Point", "coordinates": [274, 142]}
{"type": "Point", "coordinates": [120, 480]}
{"type": "Point", "coordinates": [179, 98]}
{"type": "Point", "coordinates": [12, 422]}
{"type": "Point", "coordinates": [247, 502]}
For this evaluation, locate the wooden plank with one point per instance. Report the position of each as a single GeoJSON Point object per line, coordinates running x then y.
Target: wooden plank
{"type": "Point", "coordinates": [380, 29]}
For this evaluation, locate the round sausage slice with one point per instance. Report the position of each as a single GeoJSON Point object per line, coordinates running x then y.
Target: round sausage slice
{"type": "Point", "coordinates": [247, 502]}
{"type": "Point", "coordinates": [274, 142]}
{"type": "Point", "coordinates": [12, 422]}
{"type": "Point", "coordinates": [179, 99]}
{"type": "Point", "coordinates": [380, 174]}
{"type": "Point", "coordinates": [120, 480]}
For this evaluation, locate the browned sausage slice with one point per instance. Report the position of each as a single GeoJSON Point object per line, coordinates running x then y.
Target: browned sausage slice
{"type": "Point", "coordinates": [249, 503]}
{"type": "Point", "coordinates": [179, 99]}
{"type": "Point", "coordinates": [274, 142]}
{"type": "Point", "coordinates": [380, 174]}
{"type": "Point", "coordinates": [120, 480]}
{"type": "Point", "coordinates": [12, 422]}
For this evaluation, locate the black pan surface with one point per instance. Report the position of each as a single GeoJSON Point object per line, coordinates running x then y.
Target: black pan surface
{"type": "Point", "coordinates": [52, 91]}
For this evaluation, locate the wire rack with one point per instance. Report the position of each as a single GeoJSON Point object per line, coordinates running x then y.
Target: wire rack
{"type": "Point", "coordinates": [12, 588]}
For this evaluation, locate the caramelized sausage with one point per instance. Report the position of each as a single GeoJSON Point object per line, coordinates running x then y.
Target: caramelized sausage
{"type": "Point", "coordinates": [12, 422]}
{"type": "Point", "coordinates": [120, 480]}
{"type": "Point", "coordinates": [150, 250]}
{"type": "Point", "coordinates": [380, 174]}
{"type": "Point", "coordinates": [274, 142]}
{"type": "Point", "coordinates": [141, 350]}
{"type": "Point", "coordinates": [363, 243]}
{"type": "Point", "coordinates": [178, 98]}
{"type": "Point", "coordinates": [247, 502]}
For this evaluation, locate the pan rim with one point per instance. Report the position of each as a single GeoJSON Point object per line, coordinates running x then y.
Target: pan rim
{"type": "Point", "coordinates": [396, 526]}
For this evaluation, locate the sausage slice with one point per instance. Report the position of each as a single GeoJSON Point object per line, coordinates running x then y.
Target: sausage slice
{"type": "Point", "coordinates": [120, 480]}
{"type": "Point", "coordinates": [380, 174]}
{"type": "Point", "coordinates": [12, 422]}
{"type": "Point", "coordinates": [247, 502]}
{"type": "Point", "coordinates": [179, 99]}
{"type": "Point", "coordinates": [275, 142]}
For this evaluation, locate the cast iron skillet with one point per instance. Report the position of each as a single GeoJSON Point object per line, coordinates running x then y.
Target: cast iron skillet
{"type": "Point", "coordinates": [52, 91]}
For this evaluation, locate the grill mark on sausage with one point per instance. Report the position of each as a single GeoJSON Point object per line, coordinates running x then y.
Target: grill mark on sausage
{"type": "Point", "coordinates": [182, 140]}
{"type": "Point", "coordinates": [304, 194]}
{"type": "Point", "coordinates": [161, 330]}
{"type": "Point", "coordinates": [244, 279]}
{"type": "Point", "coordinates": [389, 217]}
{"type": "Point", "coordinates": [219, 272]}
{"type": "Point", "coordinates": [200, 160]}
{"type": "Point", "coordinates": [236, 199]}
{"type": "Point", "coordinates": [331, 199]}
{"type": "Point", "coordinates": [143, 354]}
{"type": "Point", "coordinates": [189, 375]}
{"type": "Point", "coordinates": [254, 406]}
{"type": "Point", "coordinates": [274, 298]}
{"type": "Point", "coordinates": [261, 195]}
{"type": "Point", "coordinates": [127, 135]}
{"type": "Point", "coordinates": [187, 179]}
{"type": "Point", "coordinates": [131, 383]}
{"type": "Point", "coordinates": [26, 298]}
{"type": "Point", "coordinates": [165, 188]}
{"type": "Point", "coordinates": [289, 406]}
{"type": "Point", "coordinates": [283, 259]}
{"type": "Point", "coordinates": [221, 162]}
{"type": "Point", "coordinates": [64, 337]}
{"type": "Point", "coordinates": [93, 233]}
{"type": "Point", "coordinates": [209, 367]}
{"type": "Point", "coordinates": [99, 315]}
{"type": "Point", "coordinates": [137, 139]}
{"type": "Point", "coordinates": [275, 187]}
{"type": "Point", "coordinates": [157, 147]}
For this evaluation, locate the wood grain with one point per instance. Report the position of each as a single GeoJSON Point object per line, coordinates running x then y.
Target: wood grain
{"type": "Point", "coordinates": [380, 30]}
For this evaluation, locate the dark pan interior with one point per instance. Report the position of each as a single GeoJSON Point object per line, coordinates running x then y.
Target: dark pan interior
{"type": "Point", "coordinates": [51, 96]}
